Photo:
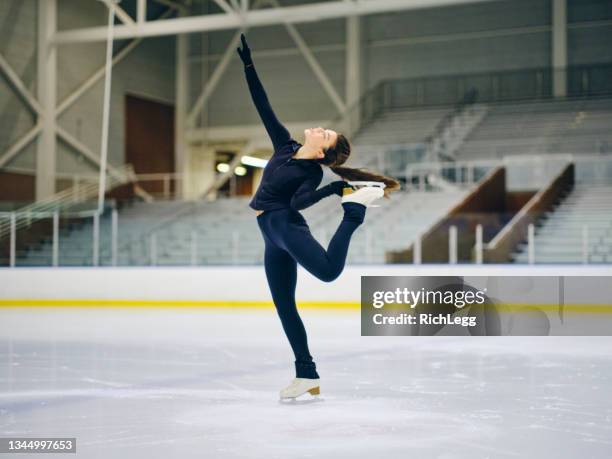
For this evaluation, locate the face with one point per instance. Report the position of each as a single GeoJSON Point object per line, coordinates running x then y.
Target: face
{"type": "Point", "coordinates": [319, 139]}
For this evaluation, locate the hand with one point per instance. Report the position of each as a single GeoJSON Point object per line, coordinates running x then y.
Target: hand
{"type": "Point", "coordinates": [338, 186]}
{"type": "Point", "coordinates": [245, 52]}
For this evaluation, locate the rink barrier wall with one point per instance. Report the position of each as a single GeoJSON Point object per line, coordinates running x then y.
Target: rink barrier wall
{"type": "Point", "coordinates": [228, 286]}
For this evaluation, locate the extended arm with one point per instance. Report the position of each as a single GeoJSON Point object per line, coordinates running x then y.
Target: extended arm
{"type": "Point", "coordinates": [277, 132]}
{"type": "Point", "coordinates": [307, 194]}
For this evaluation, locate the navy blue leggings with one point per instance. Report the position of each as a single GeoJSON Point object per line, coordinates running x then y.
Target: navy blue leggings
{"type": "Point", "coordinates": [287, 242]}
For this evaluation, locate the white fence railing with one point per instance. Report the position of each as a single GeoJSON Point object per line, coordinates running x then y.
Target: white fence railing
{"type": "Point", "coordinates": [522, 171]}
{"type": "Point", "coordinates": [66, 202]}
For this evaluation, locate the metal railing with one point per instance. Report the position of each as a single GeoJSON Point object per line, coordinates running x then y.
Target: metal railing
{"type": "Point", "coordinates": [68, 202]}
{"type": "Point", "coordinates": [522, 171]}
{"type": "Point", "coordinates": [587, 253]}
{"type": "Point", "coordinates": [492, 87]}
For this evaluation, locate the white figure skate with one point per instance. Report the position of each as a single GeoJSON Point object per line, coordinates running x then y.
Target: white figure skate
{"type": "Point", "coordinates": [364, 193]}
{"type": "Point", "coordinates": [300, 386]}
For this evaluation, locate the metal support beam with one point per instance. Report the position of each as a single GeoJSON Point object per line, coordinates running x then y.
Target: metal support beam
{"type": "Point", "coordinates": [353, 72]}
{"type": "Point", "coordinates": [229, 54]}
{"type": "Point", "coordinates": [95, 77]}
{"type": "Point", "coordinates": [86, 151]}
{"type": "Point", "coordinates": [479, 244]}
{"type": "Point", "coordinates": [47, 88]}
{"type": "Point", "coordinates": [98, 74]}
{"type": "Point", "coordinates": [141, 11]}
{"type": "Point", "coordinates": [20, 144]}
{"type": "Point", "coordinates": [254, 18]}
{"type": "Point", "coordinates": [559, 51]}
{"type": "Point", "coordinates": [225, 7]}
{"type": "Point", "coordinates": [114, 236]}
{"type": "Point", "coordinates": [314, 64]}
{"type": "Point", "coordinates": [55, 257]}
{"type": "Point", "coordinates": [204, 71]}
{"type": "Point", "coordinates": [21, 88]}
{"type": "Point", "coordinates": [213, 80]}
{"type": "Point", "coordinates": [119, 12]}
{"type": "Point", "coordinates": [13, 243]}
{"type": "Point", "coordinates": [452, 245]}
{"type": "Point", "coordinates": [172, 4]}
{"type": "Point", "coordinates": [106, 111]}
{"type": "Point", "coordinates": [95, 243]}
{"type": "Point", "coordinates": [180, 112]}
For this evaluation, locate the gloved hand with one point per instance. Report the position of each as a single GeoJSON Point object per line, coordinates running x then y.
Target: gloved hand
{"type": "Point", "coordinates": [245, 52]}
{"type": "Point", "coordinates": [338, 185]}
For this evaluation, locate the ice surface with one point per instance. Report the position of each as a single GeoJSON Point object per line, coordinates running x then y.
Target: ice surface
{"type": "Point", "coordinates": [203, 383]}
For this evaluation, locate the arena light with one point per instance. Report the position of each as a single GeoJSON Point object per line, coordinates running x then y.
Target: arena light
{"type": "Point", "coordinates": [222, 167]}
{"type": "Point", "coordinates": [253, 161]}
{"type": "Point", "coordinates": [240, 171]}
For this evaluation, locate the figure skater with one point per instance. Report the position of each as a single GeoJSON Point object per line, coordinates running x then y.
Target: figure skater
{"type": "Point", "coordinates": [289, 184]}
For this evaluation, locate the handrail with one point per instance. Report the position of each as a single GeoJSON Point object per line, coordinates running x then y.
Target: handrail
{"type": "Point", "coordinates": [430, 232]}
{"type": "Point", "coordinates": [65, 199]}
{"type": "Point", "coordinates": [413, 169]}
{"type": "Point", "coordinates": [499, 248]}
{"type": "Point", "coordinates": [469, 98]}
{"type": "Point", "coordinates": [376, 94]}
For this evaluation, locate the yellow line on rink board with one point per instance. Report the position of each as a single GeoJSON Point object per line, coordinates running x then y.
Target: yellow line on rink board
{"type": "Point", "coordinates": [127, 303]}
{"type": "Point", "coordinates": [119, 303]}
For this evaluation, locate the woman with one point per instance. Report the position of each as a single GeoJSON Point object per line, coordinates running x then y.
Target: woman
{"type": "Point", "coordinates": [289, 184]}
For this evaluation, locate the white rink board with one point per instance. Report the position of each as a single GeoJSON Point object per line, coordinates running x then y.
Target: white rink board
{"type": "Point", "coordinates": [228, 283]}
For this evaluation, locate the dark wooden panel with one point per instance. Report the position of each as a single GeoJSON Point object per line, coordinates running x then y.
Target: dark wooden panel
{"type": "Point", "coordinates": [149, 138]}
{"type": "Point", "coordinates": [16, 187]}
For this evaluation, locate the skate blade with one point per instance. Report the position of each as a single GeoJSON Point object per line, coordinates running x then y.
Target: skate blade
{"type": "Point", "coordinates": [367, 183]}
{"type": "Point", "coordinates": [315, 392]}
{"type": "Point", "coordinates": [297, 401]}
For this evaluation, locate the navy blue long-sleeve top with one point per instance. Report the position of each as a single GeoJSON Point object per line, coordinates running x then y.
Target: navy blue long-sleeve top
{"type": "Point", "coordinates": [286, 182]}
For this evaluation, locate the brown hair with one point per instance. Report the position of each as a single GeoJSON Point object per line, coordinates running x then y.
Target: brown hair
{"type": "Point", "coordinates": [338, 154]}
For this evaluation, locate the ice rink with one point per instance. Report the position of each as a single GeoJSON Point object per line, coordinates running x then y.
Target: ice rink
{"type": "Point", "coordinates": [203, 383]}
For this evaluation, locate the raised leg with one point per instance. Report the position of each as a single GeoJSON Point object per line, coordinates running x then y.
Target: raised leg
{"type": "Point", "coordinates": [326, 265]}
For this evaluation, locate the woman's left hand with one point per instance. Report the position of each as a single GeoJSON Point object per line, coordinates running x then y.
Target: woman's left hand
{"type": "Point", "coordinates": [245, 52]}
{"type": "Point", "coordinates": [338, 186]}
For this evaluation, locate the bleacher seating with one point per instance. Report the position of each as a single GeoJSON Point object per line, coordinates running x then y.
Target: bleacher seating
{"type": "Point", "coordinates": [401, 126]}
{"type": "Point", "coordinates": [559, 237]}
{"type": "Point", "coordinates": [227, 231]}
{"type": "Point", "coordinates": [536, 127]}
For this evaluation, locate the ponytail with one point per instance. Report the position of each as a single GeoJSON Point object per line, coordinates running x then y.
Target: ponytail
{"type": "Point", "coordinates": [337, 155]}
